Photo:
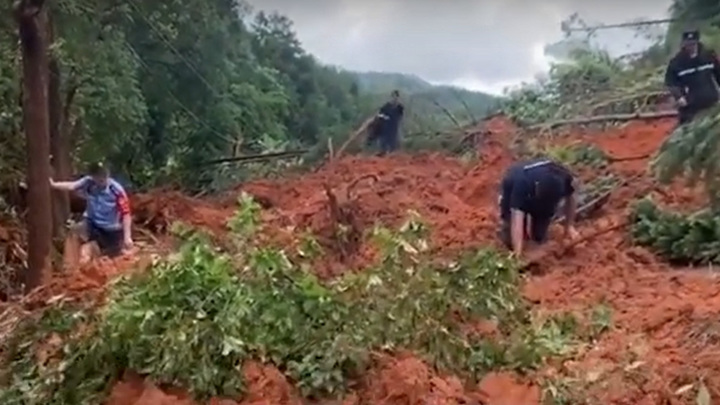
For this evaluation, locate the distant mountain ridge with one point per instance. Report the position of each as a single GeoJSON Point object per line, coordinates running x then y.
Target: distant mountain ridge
{"type": "Point", "coordinates": [378, 82]}
{"type": "Point", "coordinates": [425, 97]}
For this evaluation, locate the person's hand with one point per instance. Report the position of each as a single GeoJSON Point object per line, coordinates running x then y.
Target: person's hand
{"type": "Point", "coordinates": [571, 233]}
{"type": "Point", "coordinates": [52, 182]}
{"type": "Point", "coordinates": [128, 243]}
{"type": "Point", "coordinates": [682, 102]}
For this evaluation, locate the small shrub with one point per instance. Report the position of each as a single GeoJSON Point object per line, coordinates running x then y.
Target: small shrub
{"type": "Point", "coordinates": [680, 238]}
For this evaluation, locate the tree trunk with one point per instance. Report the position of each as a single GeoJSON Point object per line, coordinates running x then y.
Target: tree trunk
{"type": "Point", "coordinates": [59, 147]}
{"type": "Point", "coordinates": [31, 17]}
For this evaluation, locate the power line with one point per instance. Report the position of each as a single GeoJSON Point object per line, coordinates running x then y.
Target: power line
{"type": "Point", "coordinates": [172, 48]}
{"type": "Point", "coordinates": [176, 99]}
{"type": "Point", "coordinates": [187, 62]}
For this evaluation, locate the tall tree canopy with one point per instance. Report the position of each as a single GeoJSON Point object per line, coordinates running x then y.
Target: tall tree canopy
{"type": "Point", "coordinates": [157, 88]}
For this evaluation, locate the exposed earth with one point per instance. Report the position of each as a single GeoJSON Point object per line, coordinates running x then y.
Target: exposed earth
{"type": "Point", "coordinates": [665, 334]}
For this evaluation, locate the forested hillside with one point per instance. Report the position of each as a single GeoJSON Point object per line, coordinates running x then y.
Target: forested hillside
{"type": "Point", "coordinates": [159, 88]}
{"type": "Point", "coordinates": [365, 280]}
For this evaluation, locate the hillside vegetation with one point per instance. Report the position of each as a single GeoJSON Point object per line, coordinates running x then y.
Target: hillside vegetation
{"type": "Point", "coordinates": [158, 94]}
{"type": "Point", "coordinates": [365, 280]}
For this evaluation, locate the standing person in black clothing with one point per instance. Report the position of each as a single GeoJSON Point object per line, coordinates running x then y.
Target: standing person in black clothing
{"type": "Point", "coordinates": [386, 127]}
{"type": "Point", "coordinates": [692, 77]}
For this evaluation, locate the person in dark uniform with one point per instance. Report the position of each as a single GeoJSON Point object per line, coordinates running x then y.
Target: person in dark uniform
{"type": "Point", "coordinates": [386, 126]}
{"type": "Point", "coordinates": [692, 76]}
{"type": "Point", "coordinates": [530, 194]}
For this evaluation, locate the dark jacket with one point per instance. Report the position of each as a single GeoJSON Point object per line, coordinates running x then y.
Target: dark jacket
{"type": "Point", "coordinates": [694, 78]}
{"type": "Point", "coordinates": [389, 119]}
{"type": "Point", "coordinates": [524, 181]}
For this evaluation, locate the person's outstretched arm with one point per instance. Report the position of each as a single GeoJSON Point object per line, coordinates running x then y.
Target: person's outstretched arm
{"type": "Point", "coordinates": [517, 215]}
{"type": "Point", "coordinates": [69, 185]}
{"type": "Point", "coordinates": [517, 230]}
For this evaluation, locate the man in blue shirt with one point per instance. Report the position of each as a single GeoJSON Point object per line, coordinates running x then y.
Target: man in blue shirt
{"type": "Point", "coordinates": [386, 126]}
{"type": "Point", "coordinates": [107, 215]}
{"type": "Point", "coordinates": [530, 195]}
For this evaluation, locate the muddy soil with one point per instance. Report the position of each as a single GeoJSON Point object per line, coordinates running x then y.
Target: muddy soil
{"type": "Point", "coordinates": [665, 333]}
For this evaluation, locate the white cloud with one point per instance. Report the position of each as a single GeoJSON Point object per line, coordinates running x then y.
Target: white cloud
{"type": "Point", "coordinates": [479, 44]}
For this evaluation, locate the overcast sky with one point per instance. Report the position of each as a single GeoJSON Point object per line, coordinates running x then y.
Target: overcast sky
{"type": "Point", "coordinates": [477, 44]}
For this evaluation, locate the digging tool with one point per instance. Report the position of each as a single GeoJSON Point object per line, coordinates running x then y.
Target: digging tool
{"type": "Point", "coordinates": [560, 249]}
{"type": "Point", "coordinates": [352, 138]}
{"type": "Point", "coordinates": [257, 158]}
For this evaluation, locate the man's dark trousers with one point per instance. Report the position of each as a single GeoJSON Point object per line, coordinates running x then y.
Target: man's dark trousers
{"type": "Point", "coordinates": [688, 113]}
{"type": "Point", "coordinates": [388, 142]}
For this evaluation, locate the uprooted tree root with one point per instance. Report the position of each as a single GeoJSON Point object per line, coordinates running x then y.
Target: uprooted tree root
{"type": "Point", "coordinates": [346, 228]}
{"type": "Point", "coordinates": [13, 261]}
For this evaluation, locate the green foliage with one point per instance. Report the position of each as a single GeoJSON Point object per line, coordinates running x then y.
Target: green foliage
{"type": "Point", "coordinates": [197, 316]}
{"type": "Point", "coordinates": [156, 92]}
{"type": "Point", "coordinates": [692, 151]}
{"type": "Point", "coordinates": [182, 324]}
{"type": "Point", "coordinates": [530, 104]}
{"type": "Point", "coordinates": [246, 218]}
{"type": "Point", "coordinates": [700, 14]}
{"type": "Point", "coordinates": [12, 154]}
{"type": "Point", "coordinates": [599, 186]}
{"type": "Point", "coordinates": [679, 238]}
{"type": "Point", "coordinates": [601, 320]}
{"type": "Point", "coordinates": [53, 351]}
{"type": "Point", "coordinates": [589, 82]}
{"type": "Point", "coordinates": [159, 88]}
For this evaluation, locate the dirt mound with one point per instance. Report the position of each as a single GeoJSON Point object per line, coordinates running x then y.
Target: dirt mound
{"type": "Point", "coordinates": [400, 380]}
{"type": "Point", "coordinates": [664, 336]}
{"type": "Point", "coordinates": [663, 339]}
{"type": "Point", "coordinates": [457, 200]}
{"type": "Point", "coordinates": [133, 390]}
{"type": "Point", "coordinates": [506, 389]}
{"type": "Point", "coordinates": [407, 380]}
{"type": "Point", "coordinates": [655, 311]}
{"type": "Point", "coordinates": [266, 385]}
{"type": "Point", "coordinates": [87, 281]}
{"type": "Point", "coordinates": [158, 210]}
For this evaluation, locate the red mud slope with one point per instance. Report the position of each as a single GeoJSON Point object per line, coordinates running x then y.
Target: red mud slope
{"type": "Point", "coordinates": [665, 335]}
{"type": "Point", "coordinates": [666, 331]}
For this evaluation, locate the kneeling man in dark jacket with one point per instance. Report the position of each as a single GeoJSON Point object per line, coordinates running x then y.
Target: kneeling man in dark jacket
{"type": "Point", "coordinates": [530, 194]}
